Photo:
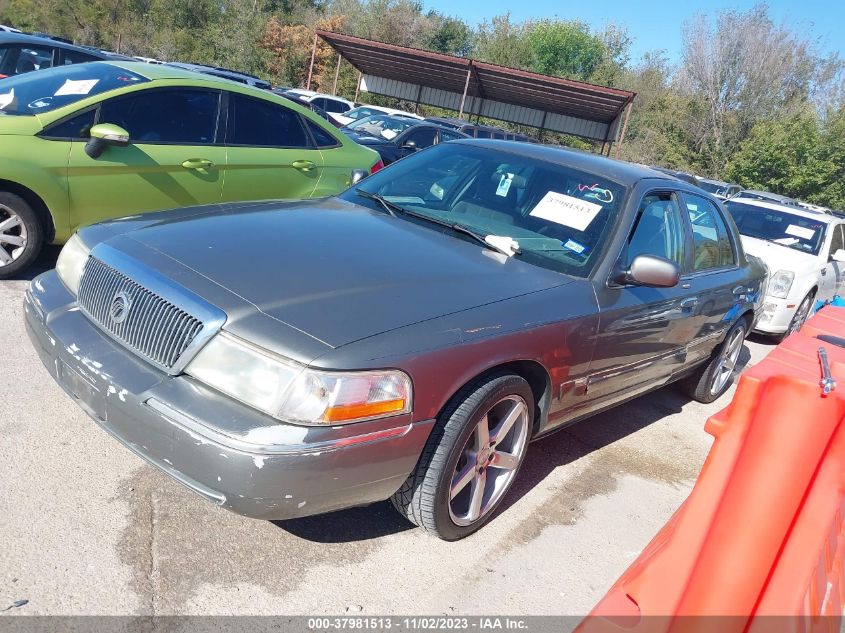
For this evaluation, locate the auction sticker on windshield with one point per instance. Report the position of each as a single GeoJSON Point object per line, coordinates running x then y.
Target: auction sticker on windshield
{"type": "Point", "coordinates": [566, 210]}
{"type": "Point", "coordinates": [800, 231]}
{"type": "Point", "coordinates": [76, 87]}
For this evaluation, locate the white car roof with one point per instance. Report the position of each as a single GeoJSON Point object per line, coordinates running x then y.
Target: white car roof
{"type": "Point", "coordinates": [390, 110]}
{"type": "Point", "coordinates": [804, 213]}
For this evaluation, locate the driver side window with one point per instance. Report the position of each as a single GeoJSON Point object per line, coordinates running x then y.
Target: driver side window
{"type": "Point", "coordinates": [659, 229]}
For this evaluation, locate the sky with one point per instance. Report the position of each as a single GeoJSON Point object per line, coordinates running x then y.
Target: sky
{"type": "Point", "coordinates": [656, 24]}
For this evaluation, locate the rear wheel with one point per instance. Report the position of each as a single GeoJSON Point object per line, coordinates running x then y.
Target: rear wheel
{"type": "Point", "coordinates": [471, 459]}
{"type": "Point", "coordinates": [712, 379]}
{"type": "Point", "coordinates": [21, 235]}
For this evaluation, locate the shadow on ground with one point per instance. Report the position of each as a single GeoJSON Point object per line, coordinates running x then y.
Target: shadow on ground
{"type": "Point", "coordinates": [45, 261]}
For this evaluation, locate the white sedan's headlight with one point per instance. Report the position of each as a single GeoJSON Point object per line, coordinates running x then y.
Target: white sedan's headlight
{"type": "Point", "coordinates": [71, 262]}
{"type": "Point", "coordinates": [781, 283]}
{"type": "Point", "coordinates": [294, 393]}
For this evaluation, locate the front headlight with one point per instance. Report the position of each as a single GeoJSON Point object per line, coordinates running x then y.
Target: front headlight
{"type": "Point", "coordinates": [294, 393]}
{"type": "Point", "coordinates": [71, 262]}
{"type": "Point", "coordinates": [781, 283]}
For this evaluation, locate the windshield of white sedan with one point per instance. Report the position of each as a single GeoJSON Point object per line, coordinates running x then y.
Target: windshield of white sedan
{"type": "Point", "coordinates": [381, 125]}
{"type": "Point", "coordinates": [787, 229]}
{"type": "Point", "coordinates": [545, 213]}
{"type": "Point", "coordinates": [46, 90]}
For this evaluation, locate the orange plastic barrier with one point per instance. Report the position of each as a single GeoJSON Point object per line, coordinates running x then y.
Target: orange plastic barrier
{"type": "Point", "coordinates": [763, 532]}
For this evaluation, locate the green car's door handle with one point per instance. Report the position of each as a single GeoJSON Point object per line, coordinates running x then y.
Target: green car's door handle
{"type": "Point", "coordinates": [198, 163]}
{"type": "Point", "coordinates": [303, 165]}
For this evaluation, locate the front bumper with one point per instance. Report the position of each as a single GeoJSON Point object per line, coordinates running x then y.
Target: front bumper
{"type": "Point", "coordinates": [776, 315]}
{"type": "Point", "coordinates": [227, 452]}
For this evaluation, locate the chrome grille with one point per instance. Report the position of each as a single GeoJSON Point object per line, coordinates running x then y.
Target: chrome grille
{"type": "Point", "coordinates": [153, 327]}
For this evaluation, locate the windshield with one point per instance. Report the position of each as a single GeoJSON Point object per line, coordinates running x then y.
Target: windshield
{"type": "Point", "coordinates": [46, 90]}
{"type": "Point", "coordinates": [781, 227]}
{"type": "Point", "coordinates": [381, 125]}
{"type": "Point", "coordinates": [559, 217]}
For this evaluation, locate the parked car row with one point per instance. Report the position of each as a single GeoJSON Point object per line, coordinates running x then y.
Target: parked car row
{"type": "Point", "coordinates": [298, 330]}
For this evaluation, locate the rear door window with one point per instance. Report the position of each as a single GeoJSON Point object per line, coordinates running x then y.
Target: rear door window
{"type": "Point", "coordinates": [183, 116]}
{"type": "Point", "coordinates": [712, 244]}
{"type": "Point", "coordinates": [259, 123]}
{"type": "Point", "coordinates": [75, 57]}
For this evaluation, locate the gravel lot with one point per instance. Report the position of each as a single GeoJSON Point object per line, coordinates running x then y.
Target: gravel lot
{"type": "Point", "coordinates": [86, 527]}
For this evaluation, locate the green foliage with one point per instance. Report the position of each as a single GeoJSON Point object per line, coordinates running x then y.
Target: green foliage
{"type": "Point", "coordinates": [448, 35]}
{"type": "Point", "coordinates": [800, 156]}
{"type": "Point", "coordinates": [565, 49]}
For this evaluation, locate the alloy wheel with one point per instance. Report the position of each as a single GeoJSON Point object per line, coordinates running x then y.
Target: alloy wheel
{"type": "Point", "coordinates": [13, 236]}
{"type": "Point", "coordinates": [489, 461]}
{"type": "Point", "coordinates": [727, 361]}
{"type": "Point", "coordinates": [801, 315]}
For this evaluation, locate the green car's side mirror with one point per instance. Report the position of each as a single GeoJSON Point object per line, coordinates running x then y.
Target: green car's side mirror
{"type": "Point", "coordinates": [103, 135]}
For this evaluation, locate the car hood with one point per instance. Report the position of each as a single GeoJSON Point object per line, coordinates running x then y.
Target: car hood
{"type": "Point", "coordinates": [335, 271]}
{"type": "Point", "coordinates": [778, 257]}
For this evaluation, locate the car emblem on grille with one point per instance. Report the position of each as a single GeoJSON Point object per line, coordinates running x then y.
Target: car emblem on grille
{"type": "Point", "coordinates": [119, 309]}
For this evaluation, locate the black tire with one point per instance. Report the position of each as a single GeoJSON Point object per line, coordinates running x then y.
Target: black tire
{"type": "Point", "coordinates": [702, 385]}
{"type": "Point", "coordinates": [30, 229]}
{"type": "Point", "coordinates": [797, 318]}
{"type": "Point", "coordinates": [424, 498]}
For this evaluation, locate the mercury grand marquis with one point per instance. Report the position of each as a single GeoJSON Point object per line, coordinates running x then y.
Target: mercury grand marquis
{"type": "Point", "coordinates": [405, 339]}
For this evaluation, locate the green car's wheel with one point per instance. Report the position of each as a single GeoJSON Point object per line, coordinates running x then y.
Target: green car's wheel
{"type": "Point", "coordinates": [21, 235]}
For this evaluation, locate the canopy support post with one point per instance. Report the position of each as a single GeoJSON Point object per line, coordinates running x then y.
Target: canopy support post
{"type": "Point", "coordinates": [311, 66]}
{"type": "Point", "coordinates": [464, 96]}
{"type": "Point", "coordinates": [336, 74]}
{"type": "Point", "coordinates": [624, 127]}
{"type": "Point", "coordinates": [358, 85]}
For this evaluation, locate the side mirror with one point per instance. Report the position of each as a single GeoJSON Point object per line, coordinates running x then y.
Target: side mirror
{"type": "Point", "coordinates": [412, 145]}
{"type": "Point", "coordinates": [650, 270]}
{"type": "Point", "coordinates": [103, 135]}
{"type": "Point", "coordinates": [838, 255]}
{"type": "Point", "coordinates": [358, 175]}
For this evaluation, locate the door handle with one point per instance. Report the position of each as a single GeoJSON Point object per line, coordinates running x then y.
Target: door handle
{"type": "Point", "coordinates": [739, 290]}
{"type": "Point", "coordinates": [824, 271]}
{"type": "Point", "coordinates": [686, 304]}
{"type": "Point", "coordinates": [303, 165]}
{"type": "Point", "coordinates": [197, 163]}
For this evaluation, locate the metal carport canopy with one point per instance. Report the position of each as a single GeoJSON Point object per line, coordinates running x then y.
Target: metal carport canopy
{"type": "Point", "coordinates": [478, 88]}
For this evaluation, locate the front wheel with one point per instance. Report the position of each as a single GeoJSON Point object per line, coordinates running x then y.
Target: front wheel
{"type": "Point", "coordinates": [471, 458]}
{"type": "Point", "coordinates": [712, 379]}
{"type": "Point", "coordinates": [800, 316]}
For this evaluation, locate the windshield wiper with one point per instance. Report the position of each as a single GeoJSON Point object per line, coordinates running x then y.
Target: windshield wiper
{"type": "Point", "coordinates": [392, 208]}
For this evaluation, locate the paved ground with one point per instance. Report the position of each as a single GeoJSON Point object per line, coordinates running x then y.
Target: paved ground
{"type": "Point", "coordinates": [87, 528]}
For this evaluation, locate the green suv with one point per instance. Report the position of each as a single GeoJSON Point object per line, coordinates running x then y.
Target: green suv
{"type": "Point", "coordinates": [88, 142]}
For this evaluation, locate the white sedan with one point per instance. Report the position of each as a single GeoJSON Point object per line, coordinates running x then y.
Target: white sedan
{"type": "Point", "coordinates": [805, 253]}
{"type": "Point", "coordinates": [364, 111]}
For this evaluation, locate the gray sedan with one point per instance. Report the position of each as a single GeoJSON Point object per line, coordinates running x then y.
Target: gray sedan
{"type": "Point", "coordinates": [404, 340]}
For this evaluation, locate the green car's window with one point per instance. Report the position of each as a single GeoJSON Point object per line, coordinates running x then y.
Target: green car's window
{"type": "Point", "coordinates": [322, 138]}
{"type": "Point", "coordinates": [46, 90]}
{"type": "Point", "coordinates": [259, 123]}
{"type": "Point", "coordinates": [183, 116]}
{"type": "Point", "coordinates": [76, 127]}
{"type": "Point", "coordinates": [559, 216]}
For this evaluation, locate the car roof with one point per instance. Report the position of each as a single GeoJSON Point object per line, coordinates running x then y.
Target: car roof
{"type": "Point", "coordinates": [774, 206]}
{"type": "Point", "coordinates": [623, 172]}
{"type": "Point", "coordinates": [35, 40]}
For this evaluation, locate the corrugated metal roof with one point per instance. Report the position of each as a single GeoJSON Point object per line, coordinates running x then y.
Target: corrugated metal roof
{"type": "Point", "coordinates": [490, 88]}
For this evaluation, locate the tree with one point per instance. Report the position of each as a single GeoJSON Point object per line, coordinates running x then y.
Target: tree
{"type": "Point", "coordinates": [565, 49]}
{"type": "Point", "coordinates": [744, 69]}
{"type": "Point", "coordinates": [448, 35]}
{"type": "Point", "coordinates": [502, 42]}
